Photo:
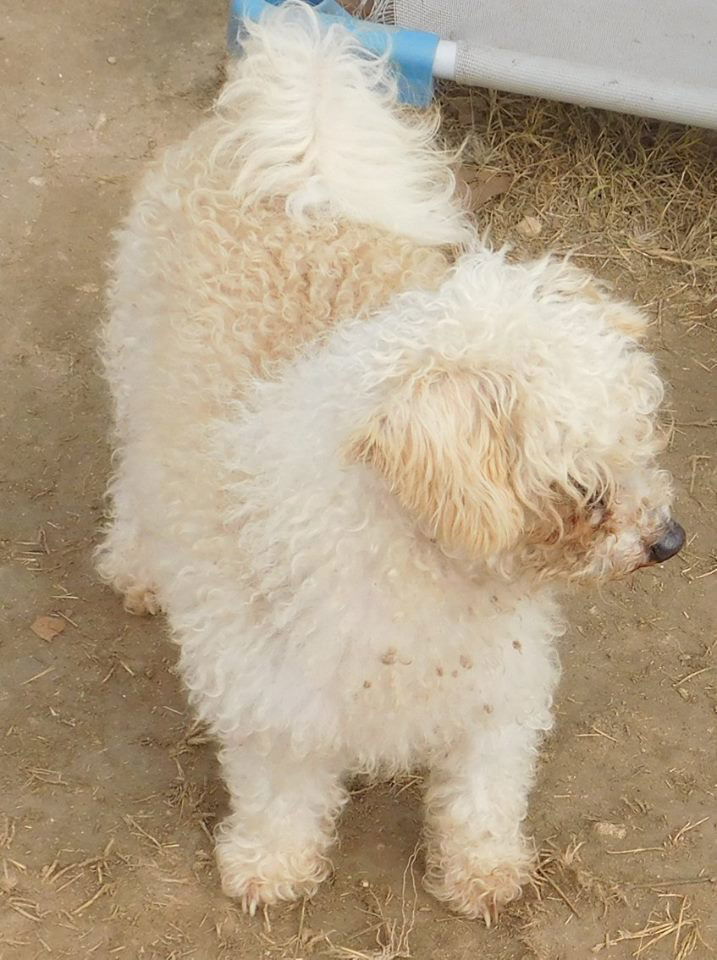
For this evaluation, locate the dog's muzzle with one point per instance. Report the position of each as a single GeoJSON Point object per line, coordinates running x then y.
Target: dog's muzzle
{"type": "Point", "coordinates": [672, 540]}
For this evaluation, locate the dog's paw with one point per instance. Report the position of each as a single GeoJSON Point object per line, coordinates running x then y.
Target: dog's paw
{"type": "Point", "coordinates": [141, 601]}
{"type": "Point", "coordinates": [257, 880]}
{"type": "Point", "coordinates": [474, 887]}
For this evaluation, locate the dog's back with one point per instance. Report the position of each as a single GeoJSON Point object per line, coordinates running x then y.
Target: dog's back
{"type": "Point", "coordinates": [308, 197]}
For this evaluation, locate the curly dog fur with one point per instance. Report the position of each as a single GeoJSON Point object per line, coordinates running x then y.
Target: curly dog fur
{"type": "Point", "coordinates": [354, 450]}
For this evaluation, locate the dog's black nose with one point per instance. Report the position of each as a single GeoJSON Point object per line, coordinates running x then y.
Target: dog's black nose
{"type": "Point", "coordinates": [670, 543]}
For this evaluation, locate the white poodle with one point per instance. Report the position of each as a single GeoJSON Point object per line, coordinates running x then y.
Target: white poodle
{"type": "Point", "coordinates": [354, 448]}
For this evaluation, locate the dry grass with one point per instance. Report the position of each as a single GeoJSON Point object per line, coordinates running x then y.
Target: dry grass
{"type": "Point", "coordinates": [561, 873]}
{"type": "Point", "coordinates": [677, 923]}
{"type": "Point", "coordinates": [392, 933]}
{"type": "Point", "coordinates": [671, 929]}
{"type": "Point", "coordinates": [672, 923]}
{"type": "Point", "coordinates": [625, 194]}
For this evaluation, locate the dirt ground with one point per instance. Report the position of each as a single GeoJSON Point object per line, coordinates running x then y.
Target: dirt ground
{"type": "Point", "coordinates": [108, 794]}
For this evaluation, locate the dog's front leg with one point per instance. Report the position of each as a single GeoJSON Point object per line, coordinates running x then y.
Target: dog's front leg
{"type": "Point", "coordinates": [273, 844]}
{"type": "Point", "coordinates": [476, 856]}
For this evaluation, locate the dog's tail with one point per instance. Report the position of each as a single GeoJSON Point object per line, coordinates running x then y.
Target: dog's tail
{"type": "Point", "coordinates": [309, 114]}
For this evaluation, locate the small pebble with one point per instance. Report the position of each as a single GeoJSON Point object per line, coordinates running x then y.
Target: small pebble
{"type": "Point", "coordinates": [112, 60]}
{"type": "Point", "coordinates": [610, 831]}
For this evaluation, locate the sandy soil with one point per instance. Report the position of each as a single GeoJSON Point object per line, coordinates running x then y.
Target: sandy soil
{"type": "Point", "coordinates": [107, 792]}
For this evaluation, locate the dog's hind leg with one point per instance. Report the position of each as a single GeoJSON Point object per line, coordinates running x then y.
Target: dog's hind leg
{"type": "Point", "coordinates": [476, 856]}
{"type": "Point", "coordinates": [273, 845]}
{"type": "Point", "coordinates": [122, 558]}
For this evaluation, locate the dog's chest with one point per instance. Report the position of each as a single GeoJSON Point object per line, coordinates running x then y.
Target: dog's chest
{"type": "Point", "coordinates": [414, 683]}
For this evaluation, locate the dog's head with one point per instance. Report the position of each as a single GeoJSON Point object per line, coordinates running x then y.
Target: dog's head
{"type": "Point", "coordinates": [518, 425]}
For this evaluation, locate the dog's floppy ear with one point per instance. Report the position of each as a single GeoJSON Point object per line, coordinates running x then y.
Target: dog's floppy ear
{"type": "Point", "coordinates": [446, 443]}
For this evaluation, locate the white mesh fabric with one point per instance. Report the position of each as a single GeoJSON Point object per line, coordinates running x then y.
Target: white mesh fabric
{"type": "Point", "coordinates": [651, 57]}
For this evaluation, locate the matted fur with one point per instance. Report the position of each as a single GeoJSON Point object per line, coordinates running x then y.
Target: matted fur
{"type": "Point", "coordinates": [347, 467]}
